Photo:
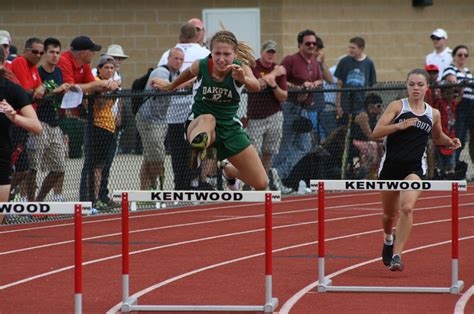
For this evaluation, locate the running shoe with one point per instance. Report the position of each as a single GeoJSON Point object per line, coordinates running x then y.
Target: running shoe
{"type": "Point", "coordinates": [396, 263]}
{"type": "Point", "coordinates": [198, 152]}
{"type": "Point", "coordinates": [387, 252]}
{"type": "Point", "coordinates": [232, 183]}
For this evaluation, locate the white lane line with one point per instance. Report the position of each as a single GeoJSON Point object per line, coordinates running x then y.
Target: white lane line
{"type": "Point", "coordinates": [177, 211]}
{"type": "Point", "coordinates": [204, 222]}
{"type": "Point", "coordinates": [140, 293]}
{"type": "Point", "coordinates": [461, 304]}
{"type": "Point", "coordinates": [285, 309]}
{"type": "Point", "coordinates": [15, 283]}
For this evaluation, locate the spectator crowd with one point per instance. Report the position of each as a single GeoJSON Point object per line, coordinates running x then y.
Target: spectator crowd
{"type": "Point", "coordinates": [309, 120]}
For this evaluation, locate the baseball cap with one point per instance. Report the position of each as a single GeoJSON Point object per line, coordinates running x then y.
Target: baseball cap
{"type": "Point", "coordinates": [115, 51]}
{"type": "Point", "coordinates": [84, 43]}
{"type": "Point", "coordinates": [431, 68]}
{"type": "Point", "coordinates": [269, 45]}
{"type": "Point", "coordinates": [440, 33]}
{"type": "Point", "coordinates": [105, 59]}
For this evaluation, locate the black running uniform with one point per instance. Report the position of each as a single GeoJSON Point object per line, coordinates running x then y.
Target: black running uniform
{"type": "Point", "coordinates": [405, 150]}
{"type": "Point", "coordinates": [16, 96]}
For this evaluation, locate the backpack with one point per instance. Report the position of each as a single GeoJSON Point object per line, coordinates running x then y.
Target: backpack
{"type": "Point", "coordinates": [139, 85]}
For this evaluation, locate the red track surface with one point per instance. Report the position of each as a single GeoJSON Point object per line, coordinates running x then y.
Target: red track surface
{"type": "Point", "coordinates": [217, 244]}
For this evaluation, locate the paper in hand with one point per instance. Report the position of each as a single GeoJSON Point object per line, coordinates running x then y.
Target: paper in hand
{"type": "Point", "coordinates": [72, 98]}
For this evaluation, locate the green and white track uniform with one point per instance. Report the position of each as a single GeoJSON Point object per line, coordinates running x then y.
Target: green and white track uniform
{"type": "Point", "coordinates": [221, 99]}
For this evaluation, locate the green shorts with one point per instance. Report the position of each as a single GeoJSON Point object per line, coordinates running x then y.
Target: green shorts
{"type": "Point", "coordinates": [231, 138]}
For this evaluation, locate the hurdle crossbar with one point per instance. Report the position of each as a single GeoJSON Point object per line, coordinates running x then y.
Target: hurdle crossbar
{"type": "Point", "coordinates": [59, 208]}
{"type": "Point", "coordinates": [131, 304]}
{"type": "Point", "coordinates": [326, 285]}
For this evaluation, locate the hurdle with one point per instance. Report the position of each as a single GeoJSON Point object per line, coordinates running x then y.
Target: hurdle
{"type": "Point", "coordinates": [59, 208]}
{"type": "Point", "coordinates": [326, 285]}
{"type": "Point", "coordinates": [131, 303]}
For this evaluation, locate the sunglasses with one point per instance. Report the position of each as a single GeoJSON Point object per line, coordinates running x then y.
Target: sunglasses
{"type": "Point", "coordinates": [36, 52]}
{"type": "Point", "coordinates": [436, 38]}
{"type": "Point", "coordinates": [462, 55]}
{"type": "Point", "coordinates": [6, 46]}
{"type": "Point", "coordinates": [310, 43]}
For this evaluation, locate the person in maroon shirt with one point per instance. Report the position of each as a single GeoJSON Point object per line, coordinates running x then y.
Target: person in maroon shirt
{"type": "Point", "coordinates": [264, 115]}
{"type": "Point", "coordinates": [302, 73]}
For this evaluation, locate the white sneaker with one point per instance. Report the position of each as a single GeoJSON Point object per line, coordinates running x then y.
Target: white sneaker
{"type": "Point", "coordinates": [235, 186]}
{"type": "Point", "coordinates": [278, 184]}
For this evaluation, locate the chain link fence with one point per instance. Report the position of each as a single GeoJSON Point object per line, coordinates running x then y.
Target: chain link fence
{"type": "Point", "coordinates": [131, 140]}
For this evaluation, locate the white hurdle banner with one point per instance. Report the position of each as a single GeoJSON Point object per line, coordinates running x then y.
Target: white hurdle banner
{"type": "Point", "coordinates": [131, 304]}
{"type": "Point", "coordinates": [59, 208]}
{"type": "Point", "coordinates": [325, 284]}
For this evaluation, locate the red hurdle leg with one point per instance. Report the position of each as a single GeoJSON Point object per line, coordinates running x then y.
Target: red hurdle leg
{"type": "Point", "coordinates": [321, 232]}
{"type": "Point", "coordinates": [455, 235]}
{"type": "Point", "coordinates": [125, 248]}
{"type": "Point", "coordinates": [77, 259]}
{"type": "Point", "coordinates": [268, 248]}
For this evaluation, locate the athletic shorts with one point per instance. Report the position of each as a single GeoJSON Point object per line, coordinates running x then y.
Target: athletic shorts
{"type": "Point", "coordinates": [153, 136]}
{"type": "Point", "coordinates": [231, 138]}
{"type": "Point", "coordinates": [50, 152]}
{"type": "Point", "coordinates": [5, 171]}
{"type": "Point", "coordinates": [394, 171]}
{"type": "Point", "coordinates": [265, 134]}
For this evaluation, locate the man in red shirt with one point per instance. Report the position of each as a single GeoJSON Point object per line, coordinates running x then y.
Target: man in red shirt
{"type": "Point", "coordinates": [26, 71]}
{"type": "Point", "coordinates": [75, 66]}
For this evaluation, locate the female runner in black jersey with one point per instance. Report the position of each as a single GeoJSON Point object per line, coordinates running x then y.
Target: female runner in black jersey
{"type": "Point", "coordinates": [405, 126]}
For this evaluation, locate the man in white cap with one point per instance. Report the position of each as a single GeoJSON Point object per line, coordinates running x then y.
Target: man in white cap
{"type": "Point", "coordinates": [442, 54]}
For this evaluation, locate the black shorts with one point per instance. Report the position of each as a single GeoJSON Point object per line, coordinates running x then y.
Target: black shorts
{"type": "Point", "coordinates": [100, 145]}
{"type": "Point", "coordinates": [5, 171]}
{"type": "Point", "coordinates": [395, 171]}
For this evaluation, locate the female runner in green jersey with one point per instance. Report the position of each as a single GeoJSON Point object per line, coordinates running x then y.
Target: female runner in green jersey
{"type": "Point", "coordinates": [220, 79]}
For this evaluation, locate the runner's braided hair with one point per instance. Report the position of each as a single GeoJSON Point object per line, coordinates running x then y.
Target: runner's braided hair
{"type": "Point", "coordinates": [243, 51]}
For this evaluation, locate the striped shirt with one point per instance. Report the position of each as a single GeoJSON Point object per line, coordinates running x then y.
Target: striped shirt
{"type": "Point", "coordinates": [461, 76]}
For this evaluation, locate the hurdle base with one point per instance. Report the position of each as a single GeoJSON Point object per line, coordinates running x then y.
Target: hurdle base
{"type": "Point", "coordinates": [323, 287]}
{"type": "Point", "coordinates": [457, 288]}
{"type": "Point", "coordinates": [127, 306]}
{"type": "Point", "coordinates": [381, 289]}
{"type": "Point", "coordinates": [267, 308]}
{"type": "Point", "coordinates": [270, 307]}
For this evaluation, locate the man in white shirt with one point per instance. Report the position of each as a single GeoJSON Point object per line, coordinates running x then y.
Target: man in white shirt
{"type": "Point", "coordinates": [442, 54]}
{"type": "Point", "coordinates": [188, 43]}
{"type": "Point", "coordinates": [179, 108]}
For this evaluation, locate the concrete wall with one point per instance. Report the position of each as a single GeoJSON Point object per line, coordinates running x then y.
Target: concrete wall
{"type": "Point", "coordinates": [396, 33]}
